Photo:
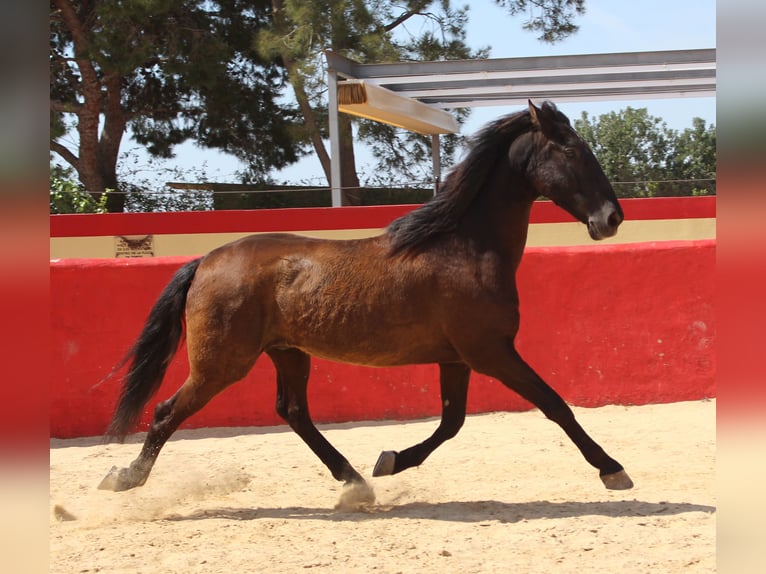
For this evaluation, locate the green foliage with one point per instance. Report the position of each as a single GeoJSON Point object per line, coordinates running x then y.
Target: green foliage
{"type": "Point", "coordinates": [169, 71]}
{"type": "Point", "coordinates": [389, 31]}
{"type": "Point", "coordinates": [694, 159]}
{"type": "Point", "coordinates": [216, 72]}
{"type": "Point", "coordinates": [144, 194]}
{"type": "Point", "coordinates": [67, 196]}
{"type": "Point", "coordinates": [554, 19]}
{"type": "Point", "coordinates": [644, 158]}
{"type": "Point", "coordinates": [145, 199]}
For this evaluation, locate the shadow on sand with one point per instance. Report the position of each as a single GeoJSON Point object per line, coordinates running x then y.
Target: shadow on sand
{"type": "Point", "coordinates": [469, 511]}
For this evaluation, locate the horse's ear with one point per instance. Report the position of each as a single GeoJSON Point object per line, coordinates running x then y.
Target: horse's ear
{"type": "Point", "coordinates": [533, 110]}
{"type": "Point", "coordinates": [544, 118]}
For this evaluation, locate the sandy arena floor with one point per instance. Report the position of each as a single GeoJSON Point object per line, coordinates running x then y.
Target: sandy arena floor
{"type": "Point", "coordinates": [509, 493]}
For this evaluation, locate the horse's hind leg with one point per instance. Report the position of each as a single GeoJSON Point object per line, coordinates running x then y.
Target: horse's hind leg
{"type": "Point", "coordinates": [293, 368]}
{"type": "Point", "coordinates": [168, 415]}
{"type": "Point", "coordinates": [219, 356]}
{"type": "Point", "coordinates": [453, 378]}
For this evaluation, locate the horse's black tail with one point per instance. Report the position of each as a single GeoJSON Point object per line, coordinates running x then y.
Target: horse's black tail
{"type": "Point", "coordinates": [150, 355]}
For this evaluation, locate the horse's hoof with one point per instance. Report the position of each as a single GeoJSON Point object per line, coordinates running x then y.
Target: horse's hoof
{"type": "Point", "coordinates": [116, 480]}
{"type": "Point", "coordinates": [112, 481]}
{"type": "Point", "coordinates": [356, 496]}
{"type": "Point", "coordinates": [617, 481]}
{"type": "Point", "coordinates": [385, 464]}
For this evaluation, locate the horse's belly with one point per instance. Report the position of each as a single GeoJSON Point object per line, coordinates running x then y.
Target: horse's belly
{"type": "Point", "coordinates": [371, 343]}
{"type": "Point", "coordinates": [382, 355]}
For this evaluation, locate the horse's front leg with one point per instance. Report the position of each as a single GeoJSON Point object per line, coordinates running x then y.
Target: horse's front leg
{"type": "Point", "coordinates": [454, 392]}
{"type": "Point", "coordinates": [509, 368]}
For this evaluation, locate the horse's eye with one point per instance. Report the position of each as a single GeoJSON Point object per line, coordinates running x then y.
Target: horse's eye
{"type": "Point", "coordinates": [570, 152]}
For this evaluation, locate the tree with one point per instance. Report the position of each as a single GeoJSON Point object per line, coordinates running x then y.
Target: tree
{"type": "Point", "coordinates": [693, 163]}
{"type": "Point", "coordinates": [169, 70]}
{"type": "Point", "coordinates": [644, 158]}
{"type": "Point", "coordinates": [173, 70]}
{"type": "Point", "coordinates": [67, 196]}
{"type": "Point", "coordinates": [552, 18]}
{"type": "Point", "coordinates": [382, 31]}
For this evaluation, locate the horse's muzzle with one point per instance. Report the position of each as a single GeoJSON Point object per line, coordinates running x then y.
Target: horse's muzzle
{"type": "Point", "coordinates": [604, 222]}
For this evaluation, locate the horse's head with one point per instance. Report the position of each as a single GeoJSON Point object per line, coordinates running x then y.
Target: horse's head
{"type": "Point", "coordinates": [564, 169]}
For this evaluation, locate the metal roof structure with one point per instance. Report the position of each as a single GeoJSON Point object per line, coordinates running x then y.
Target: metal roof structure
{"type": "Point", "coordinates": [452, 84]}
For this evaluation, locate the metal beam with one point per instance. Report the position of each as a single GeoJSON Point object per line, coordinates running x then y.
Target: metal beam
{"type": "Point", "coordinates": [629, 75]}
{"type": "Point", "coordinates": [436, 160]}
{"type": "Point", "coordinates": [556, 64]}
{"type": "Point", "coordinates": [332, 102]}
{"type": "Point", "coordinates": [512, 81]}
{"type": "Point", "coordinates": [366, 100]}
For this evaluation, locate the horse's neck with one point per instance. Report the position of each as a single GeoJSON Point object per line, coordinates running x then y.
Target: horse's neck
{"type": "Point", "coordinates": [498, 219]}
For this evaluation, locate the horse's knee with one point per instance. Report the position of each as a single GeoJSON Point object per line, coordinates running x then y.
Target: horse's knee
{"type": "Point", "coordinates": [297, 416]}
{"type": "Point", "coordinates": [281, 409]}
{"type": "Point", "coordinates": [281, 404]}
{"type": "Point", "coordinates": [295, 412]}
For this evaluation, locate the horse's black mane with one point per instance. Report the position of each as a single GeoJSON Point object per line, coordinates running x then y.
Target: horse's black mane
{"type": "Point", "coordinates": [441, 213]}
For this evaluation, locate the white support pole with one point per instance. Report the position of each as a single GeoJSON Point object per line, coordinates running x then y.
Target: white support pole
{"type": "Point", "coordinates": [332, 95]}
{"type": "Point", "coordinates": [437, 161]}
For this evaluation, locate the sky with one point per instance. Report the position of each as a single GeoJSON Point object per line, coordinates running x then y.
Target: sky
{"type": "Point", "coordinates": [607, 26]}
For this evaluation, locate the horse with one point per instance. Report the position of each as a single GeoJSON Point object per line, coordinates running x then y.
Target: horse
{"type": "Point", "coordinates": [437, 286]}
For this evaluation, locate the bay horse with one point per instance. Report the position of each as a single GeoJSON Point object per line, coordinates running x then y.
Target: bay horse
{"type": "Point", "coordinates": [438, 286]}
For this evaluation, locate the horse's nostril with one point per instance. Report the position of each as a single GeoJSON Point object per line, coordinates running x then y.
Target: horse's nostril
{"type": "Point", "coordinates": [614, 219]}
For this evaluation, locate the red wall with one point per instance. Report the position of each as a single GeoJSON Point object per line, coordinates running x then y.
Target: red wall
{"type": "Point", "coordinates": [602, 324]}
{"type": "Point", "coordinates": [311, 218]}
